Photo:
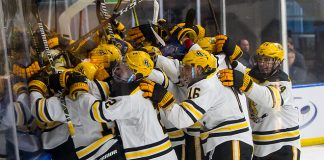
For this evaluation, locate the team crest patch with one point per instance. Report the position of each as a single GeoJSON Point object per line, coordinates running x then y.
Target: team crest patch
{"type": "Point", "coordinates": [200, 54]}
{"type": "Point", "coordinates": [146, 63]}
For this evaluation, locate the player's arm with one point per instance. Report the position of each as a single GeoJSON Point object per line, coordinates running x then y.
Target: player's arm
{"type": "Point", "coordinates": [42, 108]}
{"type": "Point", "coordinates": [171, 67]}
{"type": "Point", "coordinates": [181, 115]}
{"type": "Point", "coordinates": [109, 110]}
{"type": "Point", "coordinates": [267, 96]}
{"type": "Point", "coordinates": [158, 76]}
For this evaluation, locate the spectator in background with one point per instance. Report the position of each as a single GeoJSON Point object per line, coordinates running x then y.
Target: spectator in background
{"type": "Point", "coordinates": [247, 57]}
{"type": "Point", "coordinates": [299, 58]}
{"type": "Point", "coordinates": [297, 72]}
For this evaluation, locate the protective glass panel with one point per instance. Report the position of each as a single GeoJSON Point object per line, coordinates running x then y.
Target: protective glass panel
{"type": "Point", "coordinates": [251, 23]}
{"type": "Point", "coordinates": [305, 41]}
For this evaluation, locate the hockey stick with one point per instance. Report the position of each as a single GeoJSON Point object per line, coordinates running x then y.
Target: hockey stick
{"type": "Point", "coordinates": [155, 12]}
{"type": "Point", "coordinates": [101, 7]}
{"type": "Point", "coordinates": [51, 61]}
{"type": "Point", "coordinates": [135, 15]}
{"type": "Point", "coordinates": [81, 40]}
{"type": "Point", "coordinates": [43, 35]}
{"type": "Point", "coordinates": [227, 61]}
{"type": "Point", "coordinates": [66, 17]}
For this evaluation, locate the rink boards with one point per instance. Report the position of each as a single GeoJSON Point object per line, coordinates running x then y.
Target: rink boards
{"type": "Point", "coordinates": [310, 101]}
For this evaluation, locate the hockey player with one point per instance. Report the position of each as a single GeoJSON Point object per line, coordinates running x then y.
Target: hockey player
{"type": "Point", "coordinates": [140, 130]}
{"type": "Point", "coordinates": [92, 140]}
{"type": "Point", "coordinates": [225, 132]}
{"type": "Point", "coordinates": [273, 117]}
{"type": "Point", "coordinates": [176, 135]}
{"type": "Point", "coordinates": [97, 136]}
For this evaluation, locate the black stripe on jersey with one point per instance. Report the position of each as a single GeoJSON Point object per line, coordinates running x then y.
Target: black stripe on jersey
{"type": "Point", "coordinates": [147, 146]}
{"type": "Point", "coordinates": [46, 112]}
{"type": "Point", "coordinates": [275, 131]}
{"type": "Point", "coordinates": [24, 112]}
{"type": "Point", "coordinates": [276, 141]}
{"type": "Point", "coordinates": [102, 113]}
{"type": "Point", "coordinates": [169, 103]}
{"type": "Point", "coordinates": [172, 129]}
{"type": "Point", "coordinates": [193, 118]}
{"type": "Point", "coordinates": [177, 139]}
{"type": "Point", "coordinates": [249, 86]}
{"type": "Point", "coordinates": [50, 129]}
{"type": "Point", "coordinates": [201, 110]}
{"type": "Point", "coordinates": [225, 134]}
{"type": "Point", "coordinates": [193, 129]}
{"type": "Point", "coordinates": [229, 122]}
{"type": "Point", "coordinates": [272, 96]}
{"type": "Point", "coordinates": [155, 155]}
{"type": "Point", "coordinates": [102, 93]}
{"type": "Point", "coordinates": [91, 113]}
{"type": "Point", "coordinates": [37, 108]}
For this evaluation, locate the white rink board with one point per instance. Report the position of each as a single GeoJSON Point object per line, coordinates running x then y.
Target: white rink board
{"type": "Point", "coordinates": [310, 101]}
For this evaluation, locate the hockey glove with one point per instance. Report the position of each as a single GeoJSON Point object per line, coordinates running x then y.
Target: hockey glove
{"type": "Point", "coordinates": [140, 34]}
{"type": "Point", "coordinates": [54, 83]}
{"type": "Point", "coordinates": [75, 82]}
{"type": "Point", "coordinates": [32, 69]}
{"type": "Point", "coordinates": [19, 86]}
{"type": "Point", "coordinates": [157, 94]}
{"type": "Point", "coordinates": [38, 82]}
{"type": "Point", "coordinates": [19, 70]}
{"type": "Point", "coordinates": [236, 79]}
{"type": "Point", "coordinates": [180, 33]}
{"type": "Point", "coordinates": [228, 46]}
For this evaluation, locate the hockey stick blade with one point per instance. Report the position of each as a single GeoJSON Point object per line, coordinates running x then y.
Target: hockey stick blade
{"type": "Point", "coordinates": [190, 18]}
{"type": "Point", "coordinates": [155, 11]}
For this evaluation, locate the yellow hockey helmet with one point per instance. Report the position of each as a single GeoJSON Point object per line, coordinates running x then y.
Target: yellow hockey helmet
{"type": "Point", "coordinates": [152, 51]}
{"type": "Point", "coordinates": [270, 49]}
{"type": "Point", "coordinates": [87, 68]}
{"type": "Point", "coordinates": [105, 53]}
{"type": "Point", "coordinates": [200, 58]}
{"type": "Point", "coordinates": [140, 62]}
{"type": "Point", "coordinates": [208, 44]}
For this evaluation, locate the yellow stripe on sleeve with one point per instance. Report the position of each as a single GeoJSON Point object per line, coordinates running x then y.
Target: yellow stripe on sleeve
{"type": "Point", "coordinates": [192, 109]}
{"type": "Point", "coordinates": [95, 112]}
{"type": "Point", "coordinates": [276, 96]}
{"type": "Point", "coordinates": [41, 111]}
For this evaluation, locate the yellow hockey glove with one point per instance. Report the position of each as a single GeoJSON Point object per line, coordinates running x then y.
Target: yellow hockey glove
{"type": "Point", "coordinates": [32, 69]}
{"type": "Point", "coordinates": [76, 82]}
{"type": "Point", "coordinates": [157, 94]}
{"type": "Point", "coordinates": [228, 46]}
{"type": "Point", "coordinates": [236, 79]}
{"type": "Point", "coordinates": [38, 82]}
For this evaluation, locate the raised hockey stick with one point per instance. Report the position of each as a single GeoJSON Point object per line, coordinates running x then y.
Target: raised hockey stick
{"type": "Point", "coordinates": [227, 61]}
{"type": "Point", "coordinates": [51, 61]}
{"type": "Point", "coordinates": [155, 11]}
{"type": "Point", "coordinates": [81, 40]}
{"type": "Point", "coordinates": [135, 14]}
{"type": "Point", "coordinates": [66, 17]}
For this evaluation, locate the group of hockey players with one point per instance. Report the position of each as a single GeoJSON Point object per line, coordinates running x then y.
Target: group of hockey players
{"type": "Point", "coordinates": [123, 95]}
